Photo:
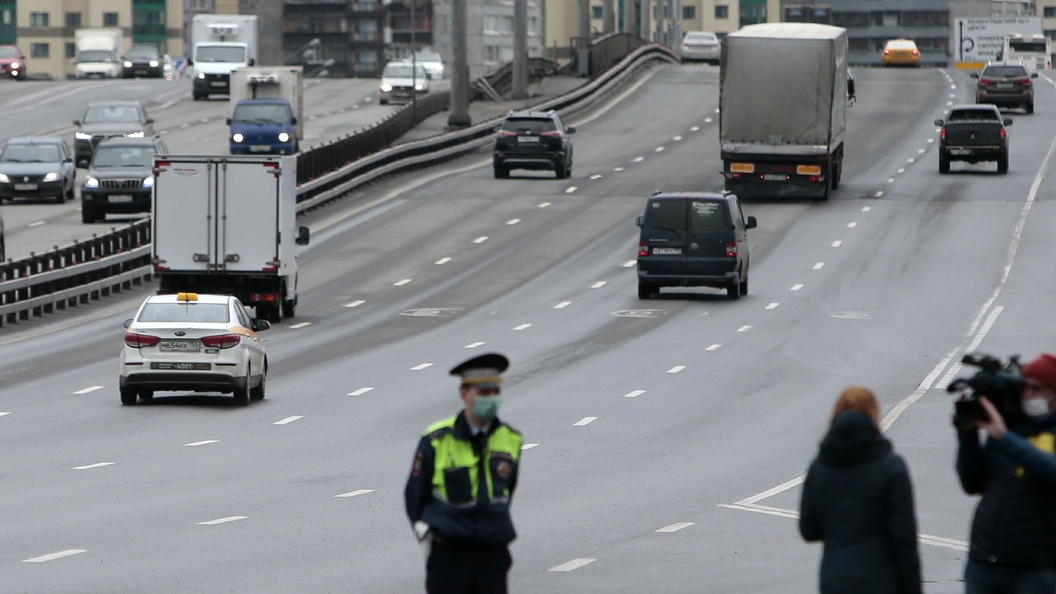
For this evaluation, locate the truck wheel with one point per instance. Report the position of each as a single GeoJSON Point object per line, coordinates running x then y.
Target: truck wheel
{"type": "Point", "coordinates": [1002, 164]}
{"type": "Point", "coordinates": [289, 307]}
{"type": "Point", "coordinates": [744, 286]}
{"type": "Point", "coordinates": [837, 170]}
{"type": "Point", "coordinates": [644, 292]}
{"type": "Point", "coordinates": [733, 292]}
{"type": "Point", "coordinates": [271, 313]}
{"type": "Point", "coordinates": [128, 396]}
{"type": "Point", "coordinates": [944, 163]}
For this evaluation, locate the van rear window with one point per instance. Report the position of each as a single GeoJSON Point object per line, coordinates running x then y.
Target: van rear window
{"type": "Point", "coordinates": [707, 216]}
{"type": "Point", "coordinates": [667, 215]}
{"type": "Point", "coordinates": [529, 125]}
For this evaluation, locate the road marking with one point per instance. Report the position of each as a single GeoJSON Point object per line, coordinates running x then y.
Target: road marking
{"type": "Point", "coordinates": [163, 133]}
{"type": "Point", "coordinates": [563, 305]}
{"type": "Point", "coordinates": [513, 221]}
{"type": "Point", "coordinates": [473, 345]}
{"type": "Point", "coordinates": [204, 120]}
{"type": "Point", "coordinates": [618, 169]}
{"type": "Point", "coordinates": [837, 243]}
{"type": "Point", "coordinates": [401, 282]}
{"type": "Point", "coordinates": [676, 527]}
{"type": "Point", "coordinates": [529, 446]}
{"type": "Point", "coordinates": [659, 149]}
{"type": "Point", "coordinates": [596, 176]}
{"type": "Point", "coordinates": [288, 420]}
{"type": "Point", "coordinates": [91, 466]}
{"type": "Point", "coordinates": [677, 138]}
{"type": "Point", "coordinates": [819, 266]}
{"type": "Point", "coordinates": [695, 128]}
{"type": "Point", "coordinates": [185, 125]}
{"type": "Point", "coordinates": [571, 189]}
{"type": "Point", "coordinates": [772, 306]}
{"type": "Point", "coordinates": [4, 414]}
{"type": "Point", "coordinates": [713, 347]}
{"type": "Point", "coordinates": [442, 261]}
{"type": "Point", "coordinates": [744, 328]}
{"type": "Point", "coordinates": [584, 421]}
{"type": "Point", "coordinates": [523, 327]}
{"type": "Point", "coordinates": [638, 159]}
{"type": "Point", "coordinates": [195, 444]}
{"type": "Point", "coordinates": [572, 565]}
{"type": "Point", "coordinates": [901, 169]}
{"type": "Point", "coordinates": [222, 520]}
{"type": "Point", "coordinates": [360, 392]}
{"type": "Point", "coordinates": [676, 369]}
{"type": "Point", "coordinates": [544, 205]}
{"type": "Point", "coordinates": [797, 287]}
{"type": "Point", "coordinates": [879, 193]}
{"type": "Point", "coordinates": [716, 110]}
{"type": "Point", "coordinates": [890, 180]}
{"type": "Point", "coordinates": [852, 225]}
{"type": "Point", "coordinates": [953, 86]}
{"type": "Point", "coordinates": [356, 303]}
{"type": "Point", "coordinates": [598, 285]}
{"type": "Point", "coordinates": [355, 493]}
{"type": "Point", "coordinates": [930, 140]}
{"type": "Point", "coordinates": [481, 239]}
{"type": "Point", "coordinates": [921, 151]}
{"type": "Point", "coordinates": [629, 263]}
{"type": "Point", "coordinates": [36, 224]}
{"type": "Point", "coordinates": [301, 325]}
{"type": "Point", "coordinates": [953, 96]}
{"type": "Point", "coordinates": [55, 556]}
{"type": "Point", "coordinates": [866, 208]}
{"type": "Point", "coordinates": [634, 394]}
{"type": "Point", "coordinates": [87, 390]}
{"type": "Point", "coordinates": [421, 367]}
{"type": "Point", "coordinates": [910, 160]}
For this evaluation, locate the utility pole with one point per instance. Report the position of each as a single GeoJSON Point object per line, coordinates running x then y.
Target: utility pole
{"type": "Point", "coordinates": [643, 21]}
{"type": "Point", "coordinates": [583, 35]}
{"type": "Point", "coordinates": [458, 117]}
{"type": "Point", "coordinates": [608, 22]}
{"type": "Point", "coordinates": [629, 15]}
{"type": "Point", "coordinates": [520, 49]}
{"type": "Point", "coordinates": [414, 67]}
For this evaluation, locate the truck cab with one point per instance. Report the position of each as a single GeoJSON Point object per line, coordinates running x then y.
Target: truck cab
{"type": "Point", "coordinates": [222, 44]}
{"type": "Point", "coordinates": [263, 126]}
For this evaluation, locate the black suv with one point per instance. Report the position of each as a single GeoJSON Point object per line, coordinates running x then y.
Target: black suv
{"type": "Point", "coordinates": [109, 118]}
{"type": "Point", "coordinates": [533, 140]}
{"type": "Point", "coordinates": [143, 61]}
{"type": "Point", "coordinates": [693, 240]}
{"type": "Point", "coordinates": [1007, 85]}
{"type": "Point", "coordinates": [120, 178]}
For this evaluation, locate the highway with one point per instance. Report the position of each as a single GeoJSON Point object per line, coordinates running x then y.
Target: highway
{"type": "Point", "coordinates": [666, 436]}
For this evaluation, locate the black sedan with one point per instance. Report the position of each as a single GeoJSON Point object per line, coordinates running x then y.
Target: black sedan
{"type": "Point", "coordinates": [143, 61]}
{"type": "Point", "coordinates": [37, 167]}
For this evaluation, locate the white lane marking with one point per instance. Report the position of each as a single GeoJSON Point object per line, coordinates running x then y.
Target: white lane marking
{"type": "Point", "coordinates": [772, 306]}
{"type": "Point", "coordinates": [529, 446]}
{"type": "Point", "coordinates": [837, 243]}
{"type": "Point", "coordinates": [901, 169]}
{"type": "Point", "coordinates": [356, 303]}
{"type": "Point", "coordinates": [563, 305]}
{"type": "Point", "coordinates": [584, 421]}
{"type": "Point", "coordinates": [716, 110]}
{"type": "Point", "coordinates": [55, 556]}
{"type": "Point", "coordinates": [638, 159]}
{"type": "Point", "coordinates": [744, 328]}
{"type": "Point", "coordinates": [910, 160]}
{"type": "Point", "coordinates": [400, 283]}
{"type": "Point", "coordinates": [797, 287]}
{"type": "Point", "coordinates": [4, 413]}
{"type": "Point", "coordinates": [481, 239]}
{"type": "Point", "coordinates": [36, 224]}
{"type": "Point", "coordinates": [222, 520]}
{"type": "Point", "coordinates": [544, 205]}
{"type": "Point", "coordinates": [195, 444]}
{"type": "Point", "coordinates": [890, 180]}
{"type": "Point", "coordinates": [596, 176]}
{"type": "Point", "coordinates": [91, 466]}
{"type": "Point", "coordinates": [930, 140]}
{"type": "Point", "coordinates": [866, 208]}
{"type": "Point", "coordinates": [288, 420]}
{"type": "Point", "coordinates": [598, 285]}
{"type": "Point", "coordinates": [473, 345]}
{"type": "Point", "coordinates": [677, 138]}
{"type": "Point", "coordinates": [629, 263]}
{"type": "Point", "coordinates": [523, 327]}
{"type": "Point", "coordinates": [442, 261]}
{"type": "Point", "coordinates": [185, 125]}
{"type": "Point", "coordinates": [421, 367]}
{"type": "Point", "coordinates": [695, 128]}
{"type": "Point", "coordinates": [617, 169]}
{"type": "Point", "coordinates": [676, 369]}
{"type": "Point", "coordinates": [301, 325]}
{"type": "Point", "coordinates": [879, 193]}
{"type": "Point", "coordinates": [852, 225]}
{"type": "Point", "coordinates": [571, 189]}
{"type": "Point", "coordinates": [360, 392]}
{"type": "Point", "coordinates": [513, 221]}
{"type": "Point", "coordinates": [921, 151]}
{"type": "Point", "coordinates": [659, 149]}
{"type": "Point", "coordinates": [713, 347]}
{"type": "Point", "coordinates": [87, 390]}
{"type": "Point", "coordinates": [819, 266]}
{"type": "Point", "coordinates": [355, 493]}
{"type": "Point", "coordinates": [953, 86]}
{"type": "Point", "coordinates": [634, 394]}
{"type": "Point", "coordinates": [204, 120]}
{"type": "Point", "coordinates": [572, 565]}
{"type": "Point", "coordinates": [953, 96]}
{"type": "Point", "coordinates": [676, 527]}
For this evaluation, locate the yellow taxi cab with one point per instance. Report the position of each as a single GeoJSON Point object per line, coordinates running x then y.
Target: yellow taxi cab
{"type": "Point", "coordinates": [900, 52]}
{"type": "Point", "coordinates": [193, 343]}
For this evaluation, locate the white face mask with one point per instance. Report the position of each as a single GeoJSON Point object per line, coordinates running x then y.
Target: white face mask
{"type": "Point", "coordinates": [1036, 407]}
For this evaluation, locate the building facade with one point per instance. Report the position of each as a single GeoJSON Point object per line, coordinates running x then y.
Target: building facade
{"type": "Point", "coordinates": [489, 38]}
{"type": "Point", "coordinates": [344, 37]}
{"type": "Point", "coordinates": [401, 33]}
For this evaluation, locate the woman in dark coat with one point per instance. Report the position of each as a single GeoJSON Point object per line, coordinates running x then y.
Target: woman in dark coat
{"type": "Point", "coordinates": [858, 500]}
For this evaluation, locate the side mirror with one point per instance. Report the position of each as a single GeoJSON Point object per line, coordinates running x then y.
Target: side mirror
{"type": "Point", "coordinates": [939, 123]}
{"type": "Point", "coordinates": [261, 325]}
{"type": "Point", "coordinates": [68, 160]}
{"type": "Point", "coordinates": [252, 62]}
{"type": "Point", "coordinates": [1007, 121]}
{"type": "Point", "coordinates": [228, 121]}
{"type": "Point", "coordinates": [638, 221]}
{"type": "Point", "coordinates": [751, 224]}
{"type": "Point", "coordinates": [1033, 75]}
{"type": "Point", "coordinates": [974, 75]}
{"type": "Point", "coordinates": [850, 87]}
{"type": "Point", "coordinates": [302, 236]}
{"type": "Point", "coordinates": [293, 121]}
{"type": "Point", "coordinates": [570, 130]}
{"type": "Point", "coordinates": [77, 123]}
{"type": "Point", "coordinates": [127, 323]}
{"type": "Point", "coordinates": [149, 121]}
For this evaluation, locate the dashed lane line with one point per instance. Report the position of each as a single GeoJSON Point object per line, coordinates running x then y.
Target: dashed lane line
{"type": "Point", "coordinates": [88, 390]}
{"type": "Point", "coordinates": [571, 189]}
{"type": "Point", "coordinates": [629, 263]}
{"type": "Point", "coordinates": [356, 303]}
{"type": "Point", "coordinates": [819, 266]}
{"type": "Point", "coordinates": [676, 527]}
{"type": "Point", "coordinates": [572, 565]}
{"type": "Point", "coordinates": [222, 520]}
{"type": "Point", "coordinates": [598, 285]}
{"type": "Point", "coordinates": [584, 421]}
{"type": "Point", "coordinates": [473, 345]}
{"type": "Point", "coordinates": [563, 305]}
{"type": "Point", "coordinates": [744, 328]}
{"type": "Point", "coordinates": [837, 243]}
{"type": "Point", "coordinates": [513, 221]}
{"type": "Point", "coordinates": [421, 367]}
{"type": "Point", "coordinates": [480, 239]}
{"type": "Point", "coordinates": [288, 420]}
{"type": "Point", "coordinates": [634, 394]}
{"type": "Point", "coordinates": [91, 466]}
{"type": "Point", "coordinates": [356, 493]}
{"type": "Point", "coordinates": [54, 556]}
{"type": "Point", "coordinates": [529, 446]}
{"type": "Point", "coordinates": [523, 327]}
{"type": "Point", "coordinates": [772, 306]}
{"type": "Point", "coordinates": [301, 325]}
{"type": "Point", "coordinates": [852, 225]}
{"type": "Point", "coordinates": [676, 369]}
{"type": "Point", "coordinates": [401, 283]}
{"type": "Point", "coordinates": [442, 261]}
{"type": "Point", "coordinates": [796, 287]}
{"type": "Point", "coordinates": [195, 444]}
{"type": "Point", "coordinates": [544, 204]}
{"type": "Point", "coordinates": [360, 392]}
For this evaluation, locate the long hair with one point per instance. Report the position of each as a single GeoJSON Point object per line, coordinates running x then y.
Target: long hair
{"type": "Point", "coordinates": [858, 398]}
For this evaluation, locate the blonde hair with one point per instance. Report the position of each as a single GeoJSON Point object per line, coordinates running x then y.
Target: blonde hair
{"type": "Point", "coordinates": [858, 398]}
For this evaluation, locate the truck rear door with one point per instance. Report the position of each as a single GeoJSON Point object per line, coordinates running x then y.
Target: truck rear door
{"type": "Point", "coordinates": [664, 236]}
{"type": "Point", "coordinates": [711, 235]}
{"type": "Point", "coordinates": [248, 226]}
{"type": "Point", "coordinates": [185, 196]}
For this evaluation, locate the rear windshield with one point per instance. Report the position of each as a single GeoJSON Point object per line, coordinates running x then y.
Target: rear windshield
{"type": "Point", "coordinates": [262, 113]}
{"type": "Point", "coordinates": [973, 115]}
{"type": "Point", "coordinates": [529, 125]}
{"type": "Point", "coordinates": [123, 114]}
{"type": "Point", "coordinates": [30, 153]}
{"type": "Point", "coordinates": [220, 53]}
{"type": "Point", "coordinates": [1004, 71]}
{"type": "Point", "coordinates": [707, 216]}
{"type": "Point", "coordinates": [185, 312]}
{"type": "Point", "coordinates": [1027, 46]}
{"type": "Point", "coordinates": [701, 37]}
{"type": "Point", "coordinates": [901, 45]}
{"type": "Point", "coordinates": [667, 215]}
{"type": "Point", "coordinates": [123, 156]}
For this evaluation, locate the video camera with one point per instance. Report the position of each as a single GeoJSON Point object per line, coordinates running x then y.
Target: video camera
{"type": "Point", "coordinates": [1001, 383]}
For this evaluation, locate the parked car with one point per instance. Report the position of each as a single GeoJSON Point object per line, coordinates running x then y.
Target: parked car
{"type": "Point", "coordinates": [37, 167]}
{"type": "Point", "coordinates": [1006, 85]}
{"type": "Point", "coordinates": [433, 64]}
{"type": "Point", "coordinates": [533, 140]}
{"type": "Point", "coordinates": [900, 52]}
{"type": "Point", "coordinates": [143, 61]}
{"type": "Point", "coordinates": [104, 119]}
{"type": "Point", "coordinates": [401, 80]}
{"type": "Point", "coordinates": [973, 133]}
{"type": "Point", "coordinates": [693, 240]}
{"type": "Point", "coordinates": [701, 46]}
{"type": "Point", "coordinates": [120, 177]}
{"type": "Point", "coordinates": [12, 62]}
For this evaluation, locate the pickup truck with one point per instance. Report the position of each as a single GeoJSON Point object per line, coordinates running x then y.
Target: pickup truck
{"type": "Point", "coordinates": [973, 133]}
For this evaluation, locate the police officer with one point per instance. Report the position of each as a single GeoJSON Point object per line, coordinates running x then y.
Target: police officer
{"type": "Point", "coordinates": [458, 494]}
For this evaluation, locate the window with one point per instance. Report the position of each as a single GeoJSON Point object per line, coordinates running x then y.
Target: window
{"type": "Point", "coordinates": [705, 217]}
{"type": "Point", "coordinates": [491, 53]}
{"type": "Point", "coordinates": [665, 215]}
{"type": "Point", "coordinates": [597, 12]}
{"type": "Point", "coordinates": [491, 25]}
{"type": "Point", "coordinates": [850, 19]}
{"type": "Point", "coordinates": [506, 54]}
{"type": "Point", "coordinates": [39, 50]}
{"type": "Point", "coordinates": [722, 11]}
{"type": "Point", "coordinates": [1050, 12]}
{"type": "Point", "coordinates": [71, 50]}
{"type": "Point", "coordinates": [38, 19]}
{"type": "Point", "coordinates": [507, 25]}
{"type": "Point", "coordinates": [110, 19]}
{"type": "Point", "coordinates": [689, 13]}
{"type": "Point", "coordinates": [73, 20]}
{"type": "Point", "coordinates": [533, 26]}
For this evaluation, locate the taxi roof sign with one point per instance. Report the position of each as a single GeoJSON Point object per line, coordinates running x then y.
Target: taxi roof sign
{"type": "Point", "coordinates": [187, 297]}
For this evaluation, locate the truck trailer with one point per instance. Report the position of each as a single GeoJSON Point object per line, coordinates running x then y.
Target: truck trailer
{"type": "Point", "coordinates": [783, 100]}
{"type": "Point", "coordinates": [222, 43]}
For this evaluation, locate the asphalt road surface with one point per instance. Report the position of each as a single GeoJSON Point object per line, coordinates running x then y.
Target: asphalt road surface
{"type": "Point", "coordinates": [666, 436]}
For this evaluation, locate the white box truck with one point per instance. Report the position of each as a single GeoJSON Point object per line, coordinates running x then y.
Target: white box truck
{"type": "Point", "coordinates": [783, 97]}
{"type": "Point", "coordinates": [228, 225]}
{"type": "Point", "coordinates": [99, 52]}
{"type": "Point", "coordinates": [221, 43]}
{"type": "Point", "coordinates": [267, 84]}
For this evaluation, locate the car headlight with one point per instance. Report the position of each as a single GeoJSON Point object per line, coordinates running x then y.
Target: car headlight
{"type": "Point", "coordinates": [51, 176]}
{"type": "Point", "coordinates": [153, 63]}
{"type": "Point", "coordinates": [237, 137]}
{"type": "Point", "coordinates": [4, 179]}
{"type": "Point", "coordinates": [148, 182]}
{"type": "Point", "coordinates": [201, 75]}
{"type": "Point", "coordinates": [91, 182]}
{"type": "Point", "coordinates": [419, 87]}
{"type": "Point", "coordinates": [386, 87]}
{"type": "Point", "coordinates": [128, 64]}
{"type": "Point", "coordinates": [136, 134]}
{"type": "Point", "coordinates": [283, 137]}
{"type": "Point", "coordinates": [82, 136]}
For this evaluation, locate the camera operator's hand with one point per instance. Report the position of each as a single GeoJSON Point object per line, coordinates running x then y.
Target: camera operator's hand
{"type": "Point", "coordinates": [995, 425]}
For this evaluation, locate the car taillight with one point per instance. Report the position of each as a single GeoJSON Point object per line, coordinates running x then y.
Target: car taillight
{"type": "Point", "coordinates": [136, 340]}
{"type": "Point", "coordinates": [731, 249]}
{"type": "Point", "coordinates": [1002, 133]}
{"type": "Point", "coordinates": [986, 81]}
{"type": "Point", "coordinates": [887, 52]}
{"type": "Point", "coordinates": [551, 135]}
{"type": "Point", "coordinates": [942, 134]}
{"type": "Point", "coordinates": [1024, 81]}
{"type": "Point", "coordinates": [506, 133]}
{"type": "Point", "coordinates": [916, 53]}
{"type": "Point", "coordinates": [222, 341]}
{"type": "Point", "coordinates": [643, 248]}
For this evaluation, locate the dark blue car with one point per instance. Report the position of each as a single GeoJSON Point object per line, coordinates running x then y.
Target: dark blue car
{"type": "Point", "coordinates": [263, 126]}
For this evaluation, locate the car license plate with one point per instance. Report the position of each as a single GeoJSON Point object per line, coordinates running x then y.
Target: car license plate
{"type": "Point", "coordinates": [527, 139]}
{"type": "Point", "coordinates": [666, 251]}
{"type": "Point", "coordinates": [181, 366]}
{"type": "Point", "coordinates": [25, 187]}
{"type": "Point", "coordinates": [121, 198]}
{"type": "Point", "coordinates": [260, 148]}
{"type": "Point", "coordinates": [140, 72]}
{"type": "Point", "coordinates": [1004, 85]}
{"type": "Point", "coordinates": [218, 83]}
{"type": "Point", "coordinates": [775, 177]}
{"type": "Point", "coordinates": [960, 151]}
{"type": "Point", "coordinates": [180, 346]}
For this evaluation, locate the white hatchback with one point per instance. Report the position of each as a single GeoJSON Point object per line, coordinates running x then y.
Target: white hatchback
{"type": "Point", "coordinates": [193, 343]}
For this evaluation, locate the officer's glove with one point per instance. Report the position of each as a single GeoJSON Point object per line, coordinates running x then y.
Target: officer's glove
{"type": "Point", "coordinates": [424, 533]}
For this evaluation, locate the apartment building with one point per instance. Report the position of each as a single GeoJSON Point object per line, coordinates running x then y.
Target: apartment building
{"type": "Point", "coordinates": [350, 36]}
{"type": "Point", "coordinates": [489, 39]}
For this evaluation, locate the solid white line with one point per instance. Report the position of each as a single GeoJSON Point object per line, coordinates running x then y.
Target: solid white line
{"type": "Point", "coordinates": [421, 367]}
{"type": "Point", "coordinates": [400, 283]}
{"type": "Point", "coordinates": [573, 564]}
{"type": "Point", "coordinates": [634, 394]}
{"type": "Point", "coordinates": [288, 420]}
{"type": "Point", "coordinates": [563, 305]}
{"type": "Point", "coordinates": [759, 510]}
{"type": "Point", "coordinates": [90, 466]}
{"type": "Point", "coordinates": [629, 263]}
{"type": "Point", "coordinates": [819, 266]}
{"type": "Point", "coordinates": [571, 189]}
{"type": "Point", "coordinates": [584, 421]}
{"type": "Point", "coordinates": [837, 243]}
{"type": "Point", "coordinates": [852, 225]}
{"type": "Point", "coordinates": [481, 239]}
{"type": "Point", "coordinates": [599, 285]}
{"type": "Point", "coordinates": [513, 221]}
{"type": "Point", "coordinates": [355, 493]}
{"type": "Point", "coordinates": [301, 325]}
{"type": "Point", "coordinates": [523, 326]}
{"type": "Point", "coordinates": [443, 261]}
{"type": "Point", "coordinates": [54, 556]}
{"type": "Point", "coordinates": [360, 392]}
{"type": "Point", "coordinates": [676, 527]}
{"type": "Point", "coordinates": [744, 328]}
{"type": "Point", "coordinates": [356, 303]}
{"type": "Point", "coordinates": [195, 444]}
{"type": "Point", "coordinates": [986, 328]}
{"type": "Point", "coordinates": [222, 520]}
{"type": "Point", "coordinates": [676, 369]}
{"type": "Point", "coordinates": [529, 446]}
{"type": "Point", "coordinates": [87, 390]}
{"type": "Point", "coordinates": [544, 204]}
{"type": "Point", "coordinates": [473, 345]}
{"type": "Point", "coordinates": [797, 287]}
{"type": "Point", "coordinates": [713, 347]}
{"type": "Point", "coordinates": [772, 306]}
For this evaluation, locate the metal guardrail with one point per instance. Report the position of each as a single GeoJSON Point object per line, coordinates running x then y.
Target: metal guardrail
{"type": "Point", "coordinates": [88, 270]}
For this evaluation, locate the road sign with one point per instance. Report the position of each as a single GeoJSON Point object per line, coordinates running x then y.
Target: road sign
{"type": "Point", "coordinates": [983, 39]}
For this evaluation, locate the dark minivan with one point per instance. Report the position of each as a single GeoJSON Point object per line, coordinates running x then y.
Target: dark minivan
{"type": "Point", "coordinates": [693, 240]}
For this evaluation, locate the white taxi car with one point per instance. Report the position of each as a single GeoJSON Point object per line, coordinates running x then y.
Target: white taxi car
{"type": "Point", "coordinates": [193, 343]}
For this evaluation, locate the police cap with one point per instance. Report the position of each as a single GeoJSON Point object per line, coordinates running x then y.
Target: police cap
{"type": "Point", "coordinates": [483, 371]}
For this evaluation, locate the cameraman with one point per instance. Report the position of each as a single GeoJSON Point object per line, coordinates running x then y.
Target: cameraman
{"type": "Point", "coordinates": [1013, 547]}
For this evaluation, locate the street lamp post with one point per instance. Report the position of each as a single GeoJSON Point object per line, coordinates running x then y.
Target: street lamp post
{"type": "Point", "coordinates": [414, 67]}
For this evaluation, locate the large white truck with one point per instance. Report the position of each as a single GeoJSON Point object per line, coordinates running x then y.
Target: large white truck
{"type": "Point", "coordinates": [271, 82]}
{"type": "Point", "coordinates": [99, 52]}
{"type": "Point", "coordinates": [228, 225]}
{"type": "Point", "coordinates": [222, 43]}
{"type": "Point", "coordinates": [783, 100]}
